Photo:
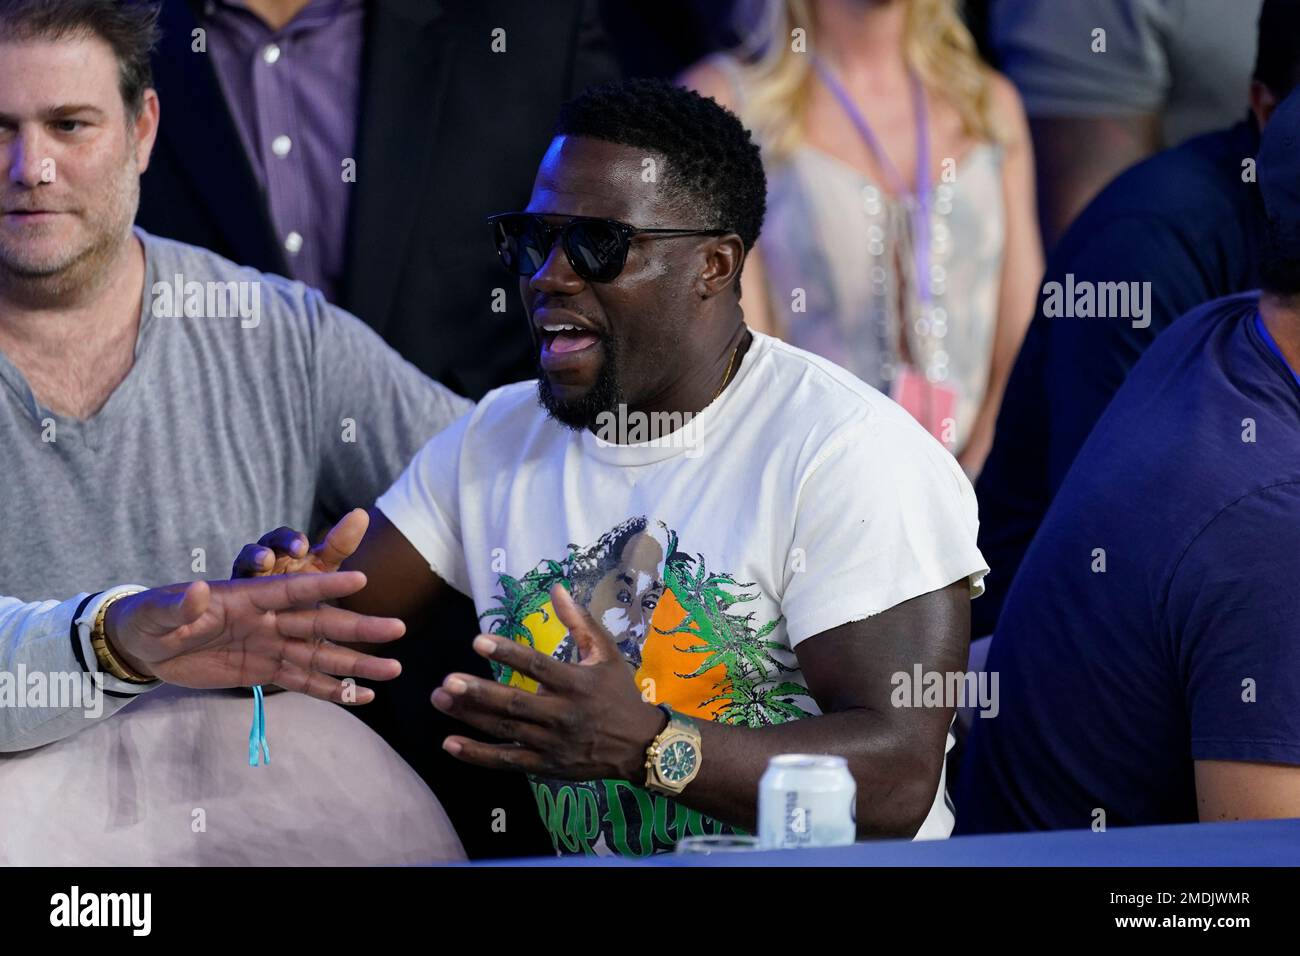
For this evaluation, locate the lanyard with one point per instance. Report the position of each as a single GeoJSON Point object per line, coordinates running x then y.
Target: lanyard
{"type": "Point", "coordinates": [921, 208]}
{"type": "Point", "coordinates": [257, 735]}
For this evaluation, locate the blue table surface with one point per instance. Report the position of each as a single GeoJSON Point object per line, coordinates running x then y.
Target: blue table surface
{"type": "Point", "coordinates": [1252, 843]}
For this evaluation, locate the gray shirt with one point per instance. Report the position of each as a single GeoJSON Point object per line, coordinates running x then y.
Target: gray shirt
{"type": "Point", "coordinates": [1190, 61]}
{"type": "Point", "coordinates": [252, 404]}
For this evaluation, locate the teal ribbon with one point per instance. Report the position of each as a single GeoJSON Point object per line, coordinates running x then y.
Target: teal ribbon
{"type": "Point", "coordinates": [257, 736]}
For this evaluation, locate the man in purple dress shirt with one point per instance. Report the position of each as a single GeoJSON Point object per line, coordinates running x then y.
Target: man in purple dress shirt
{"type": "Point", "coordinates": [293, 83]}
{"type": "Point", "coordinates": [358, 145]}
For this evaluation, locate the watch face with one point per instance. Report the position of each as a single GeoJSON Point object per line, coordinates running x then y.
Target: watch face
{"type": "Point", "coordinates": [677, 761]}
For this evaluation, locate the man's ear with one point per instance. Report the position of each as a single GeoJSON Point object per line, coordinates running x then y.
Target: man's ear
{"type": "Point", "coordinates": [144, 129]}
{"type": "Point", "coordinates": [723, 257]}
{"type": "Point", "coordinates": [1262, 102]}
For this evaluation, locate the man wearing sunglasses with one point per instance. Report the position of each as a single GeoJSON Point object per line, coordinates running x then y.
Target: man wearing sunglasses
{"type": "Point", "coordinates": [810, 546]}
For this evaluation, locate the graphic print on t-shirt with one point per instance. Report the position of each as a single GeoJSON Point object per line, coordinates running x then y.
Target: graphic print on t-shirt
{"type": "Point", "coordinates": [693, 644]}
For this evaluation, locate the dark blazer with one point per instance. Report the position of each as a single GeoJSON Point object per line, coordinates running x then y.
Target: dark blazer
{"type": "Point", "coordinates": [449, 133]}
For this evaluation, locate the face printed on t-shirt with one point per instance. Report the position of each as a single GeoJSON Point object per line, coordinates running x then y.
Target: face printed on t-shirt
{"type": "Point", "coordinates": [624, 599]}
{"type": "Point", "coordinates": [694, 641]}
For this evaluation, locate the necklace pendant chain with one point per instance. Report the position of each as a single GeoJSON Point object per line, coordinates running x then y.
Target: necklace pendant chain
{"type": "Point", "coordinates": [726, 376]}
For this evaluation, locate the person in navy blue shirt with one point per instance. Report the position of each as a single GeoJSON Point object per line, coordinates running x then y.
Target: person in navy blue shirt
{"type": "Point", "coordinates": [1189, 222]}
{"type": "Point", "coordinates": [1149, 651]}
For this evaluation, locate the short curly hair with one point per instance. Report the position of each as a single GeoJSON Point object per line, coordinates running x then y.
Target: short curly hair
{"type": "Point", "coordinates": [714, 166]}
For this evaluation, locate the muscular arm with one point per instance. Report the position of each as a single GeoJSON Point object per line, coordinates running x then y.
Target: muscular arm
{"type": "Point", "coordinates": [397, 577]}
{"type": "Point", "coordinates": [895, 754]}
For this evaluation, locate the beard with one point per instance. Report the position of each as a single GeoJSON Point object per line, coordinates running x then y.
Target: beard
{"type": "Point", "coordinates": [605, 394]}
{"type": "Point", "coordinates": [84, 262]}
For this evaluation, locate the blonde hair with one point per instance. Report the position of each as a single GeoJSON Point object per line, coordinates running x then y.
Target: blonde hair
{"type": "Point", "coordinates": [936, 46]}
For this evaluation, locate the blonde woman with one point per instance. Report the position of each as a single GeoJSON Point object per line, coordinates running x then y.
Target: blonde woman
{"type": "Point", "coordinates": [901, 239]}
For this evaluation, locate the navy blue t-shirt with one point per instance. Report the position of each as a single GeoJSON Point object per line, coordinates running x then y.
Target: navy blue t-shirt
{"type": "Point", "coordinates": [1184, 220]}
{"type": "Point", "coordinates": [1156, 618]}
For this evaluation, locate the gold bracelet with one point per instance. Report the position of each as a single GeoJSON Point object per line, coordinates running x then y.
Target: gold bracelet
{"type": "Point", "coordinates": [103, 650]}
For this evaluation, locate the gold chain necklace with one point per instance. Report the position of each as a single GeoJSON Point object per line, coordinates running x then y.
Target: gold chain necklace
{"type": "Point", "coordinates": [726, 376]}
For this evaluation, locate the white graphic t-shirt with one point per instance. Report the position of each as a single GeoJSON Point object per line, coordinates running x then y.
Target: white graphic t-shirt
{"type": "Point", "coordinates": [799, 500]}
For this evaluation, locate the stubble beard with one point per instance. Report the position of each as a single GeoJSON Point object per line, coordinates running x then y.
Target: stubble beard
{"type": "Point", "coordinates": [79, 271]}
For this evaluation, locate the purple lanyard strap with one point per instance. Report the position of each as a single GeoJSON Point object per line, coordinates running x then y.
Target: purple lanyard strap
{"type": "Point", "coordinates": [921, 211]}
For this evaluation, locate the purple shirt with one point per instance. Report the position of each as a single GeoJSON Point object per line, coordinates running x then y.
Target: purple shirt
{"type": "Point", "coordinates": [294, 94]}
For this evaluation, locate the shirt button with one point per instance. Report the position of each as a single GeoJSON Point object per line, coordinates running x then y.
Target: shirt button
{"type": "Point", "coordinates": [271, 53]}
{"type": "Point", "coordinates": [281, 146]}
{"type": "Point", "coordinates": [293, 242]}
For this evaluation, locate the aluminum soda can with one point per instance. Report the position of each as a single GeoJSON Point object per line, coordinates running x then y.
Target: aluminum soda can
{"type": "Point", "coordinates": [806, 800]}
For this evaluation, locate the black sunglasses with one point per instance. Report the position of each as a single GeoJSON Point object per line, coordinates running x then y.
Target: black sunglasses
{"type": "Point", "coordinates": [596, 248]}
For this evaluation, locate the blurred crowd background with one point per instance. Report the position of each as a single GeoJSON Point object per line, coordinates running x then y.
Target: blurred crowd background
{"type": "Point", "coordinates": [922, 286]}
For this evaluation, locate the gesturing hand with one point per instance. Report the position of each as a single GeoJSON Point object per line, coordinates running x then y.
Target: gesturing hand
{"type": "Point", "coordinates": [240, 633]}
{"type": "Point", "coordinates": [587, 721]}
{"type": "Point", "coordinates": [285, 551]}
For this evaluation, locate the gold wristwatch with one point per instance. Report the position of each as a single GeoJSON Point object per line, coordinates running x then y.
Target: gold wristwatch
{"type": "Point", "coordinates": [673, 758]}
{"type": "Point", "coordinates": [108, 660]}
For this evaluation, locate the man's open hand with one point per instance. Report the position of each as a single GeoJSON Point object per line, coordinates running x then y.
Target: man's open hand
{"type": "Point", "coordinates": [267, 631]}
{"type": "Point", "coordinates": [586, 722]}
